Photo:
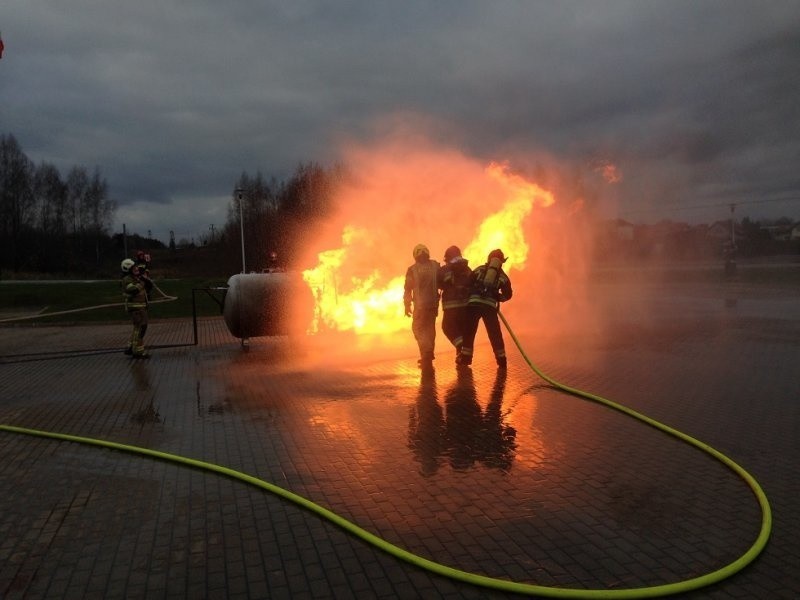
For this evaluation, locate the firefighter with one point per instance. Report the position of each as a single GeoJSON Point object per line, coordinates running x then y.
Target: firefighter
{"type": "Point", "coordinates": [273, 266]}
{"type": "Point", "coordinates": [421, 291]}
{"type": "Point", "coordinates": [143, 264]}
{"type": "Point", "coordinates": [489, 287]}
{"type": "Point", "coordinates": [454, 280]}
{"type": "Point", "coordinates": [134, 291]}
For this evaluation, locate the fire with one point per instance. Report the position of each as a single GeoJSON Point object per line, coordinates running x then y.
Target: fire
{"type": "Point", "coordinates": [352, 303]}
{"type": "Point", "coordinates": [503, 229]}
{"type": "Point", "coordinates": [365, 296]}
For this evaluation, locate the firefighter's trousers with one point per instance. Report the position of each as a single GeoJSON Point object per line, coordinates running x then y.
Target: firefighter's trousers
{"type": "Point", "coordinates": [423, 325]}
{"type": "Point", "coordinates": [453, 322]}
{"type": "Point", "coordinates": [476, 313]}
{"type": "Point", "coordinates": [139, 328]}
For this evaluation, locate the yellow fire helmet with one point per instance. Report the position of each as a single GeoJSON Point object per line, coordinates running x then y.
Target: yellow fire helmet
{"type": "Point", "coordinates": [421, 249]}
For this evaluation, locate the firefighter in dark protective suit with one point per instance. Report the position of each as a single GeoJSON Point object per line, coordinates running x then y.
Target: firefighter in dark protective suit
{"type": "Point", "coordinates": [134, 290]}
{"type": "Point", "coordinates": [490, 287]}
{"type": "Point", "coordinates": [454, 280]}
{"type": "Point", "coordinates": [421, 291]}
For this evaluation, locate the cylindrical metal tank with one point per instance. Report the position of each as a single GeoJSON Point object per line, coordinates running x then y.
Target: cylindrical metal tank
{"type": "Point", "coordinates": [261, 304]}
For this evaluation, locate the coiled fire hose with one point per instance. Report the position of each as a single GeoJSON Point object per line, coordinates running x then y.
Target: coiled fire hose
{"type": "Point", "coordinates": [463, 576]}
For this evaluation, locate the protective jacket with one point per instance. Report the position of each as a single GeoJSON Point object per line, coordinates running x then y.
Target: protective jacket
{"type": "Point", "coordinates": [490, 286]}
{"type": "Point", "coordinates": [454, 280]}
{"type": "Point", "coordinates": [134, 291]}
{"type": "Point", "coordinates": [421, 287]}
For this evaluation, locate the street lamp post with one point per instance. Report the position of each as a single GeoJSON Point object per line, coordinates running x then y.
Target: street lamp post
{"type": "Point", "coordinates": [730, 259]}
{"type": "Point", "coordinates": [239, 196]}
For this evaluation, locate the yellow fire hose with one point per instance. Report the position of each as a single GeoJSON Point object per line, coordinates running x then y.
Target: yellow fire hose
{"type": "Point", "coordinates": [456, 574]}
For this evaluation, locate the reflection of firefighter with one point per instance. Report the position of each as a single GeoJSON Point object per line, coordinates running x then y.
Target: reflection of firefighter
{"type": "Point", "coordinates": [474, 435]}
{"type": "Point", "coordinates": [498, 440]}
{"type": "Point", "coordinates": [454, 280]}
{"type": "Point", "coordinates": [490, 287]}
{"type": "Point", "coordinates": [421, 291]}
{"type": "Point", "coordinates": [463, 421]}
{"type": "Point", "coordinates": [148, 411]}
{"type": "Point", "coordinates": [134, 291]}
{"type": "Point", "coordinates": [426, 428]}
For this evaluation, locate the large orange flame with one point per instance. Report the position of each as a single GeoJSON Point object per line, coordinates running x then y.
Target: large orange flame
{"type": "Point", "coordinates": [503, 229]}
{"type": "Point", "coordinates": [494, 205]}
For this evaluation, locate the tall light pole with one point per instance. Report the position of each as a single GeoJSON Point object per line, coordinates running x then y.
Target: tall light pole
{"type": "Point", "coordinates": [239, 196]}
{"type": "Point", "coordinates": [730, 258]}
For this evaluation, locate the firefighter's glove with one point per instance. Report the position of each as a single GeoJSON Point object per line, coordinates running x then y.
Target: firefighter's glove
{"type": "Point", "coordinates": [408, 310]}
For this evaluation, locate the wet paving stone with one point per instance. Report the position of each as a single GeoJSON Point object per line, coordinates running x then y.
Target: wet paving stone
{"type": "Point", "coordinates": [500, 474]}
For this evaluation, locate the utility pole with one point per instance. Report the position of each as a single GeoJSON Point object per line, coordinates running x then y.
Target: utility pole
{"type": "Point", "coordinates": [239, 196]}
{"type": "Point", "coordinates": [730, 258]}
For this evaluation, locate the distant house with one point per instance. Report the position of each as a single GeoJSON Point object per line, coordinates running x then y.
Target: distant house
{"type": "Point", "coordinates": [794, 234]}
{"type": "Point", "coordinates": [621, 229]}
{"type": "Point", "coordinates": [721, 231]}
{"type": "Point", "coordinates": [780, 233]}
{"type": "Point", "coordinates": [666, 239]}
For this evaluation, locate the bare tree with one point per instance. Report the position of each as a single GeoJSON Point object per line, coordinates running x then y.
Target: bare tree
{"type": "Point", "coordinates": [17, 210]}
{"type": "Point", "coordinates": [51, 200]}
{"type": "Point", "coordinates": [98, 209]}
{"type": "Point", "coordinates": [77, 184]}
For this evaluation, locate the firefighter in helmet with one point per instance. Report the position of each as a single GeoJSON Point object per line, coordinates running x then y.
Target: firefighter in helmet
{"type": "Point", "coordinates": [422, 292]}
{"type": "Point", "coordinates": [490, 286]}
{"type": "Point", "coordinates": [134, 291]}
{"type": "Point", "coordinates": [272, 263]}
{"type": "Point", "coordinates": [143, 263]}
{"type": "Point", "coordinates": [454, 280]}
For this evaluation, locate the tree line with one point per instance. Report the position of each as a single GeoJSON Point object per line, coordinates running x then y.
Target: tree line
{"type": "Point", "coordinates": [60, 225]}
{"type": "Point", "coordinates": [51, 223]}
{"type": "Point", "coordinates": [277, 215]}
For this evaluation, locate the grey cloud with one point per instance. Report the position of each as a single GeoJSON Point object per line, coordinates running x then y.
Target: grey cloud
{"type": "Point", "coordinates": [174, 99]}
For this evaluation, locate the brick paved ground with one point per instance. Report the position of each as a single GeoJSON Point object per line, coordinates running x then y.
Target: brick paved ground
{"type": "Point", "coordinates": [503, 476]}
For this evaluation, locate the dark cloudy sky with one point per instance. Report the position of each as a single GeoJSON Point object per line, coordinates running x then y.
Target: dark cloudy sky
{"type": "Point", "coordinates": [696, 102]}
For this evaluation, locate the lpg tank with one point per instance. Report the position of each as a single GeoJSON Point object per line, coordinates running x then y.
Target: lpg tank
{"type": "Point", "coordinates": [261, 304]}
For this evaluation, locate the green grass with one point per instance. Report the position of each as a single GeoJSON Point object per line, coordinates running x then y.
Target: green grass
{"type": "Point", "coordinates": [57, 296]}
